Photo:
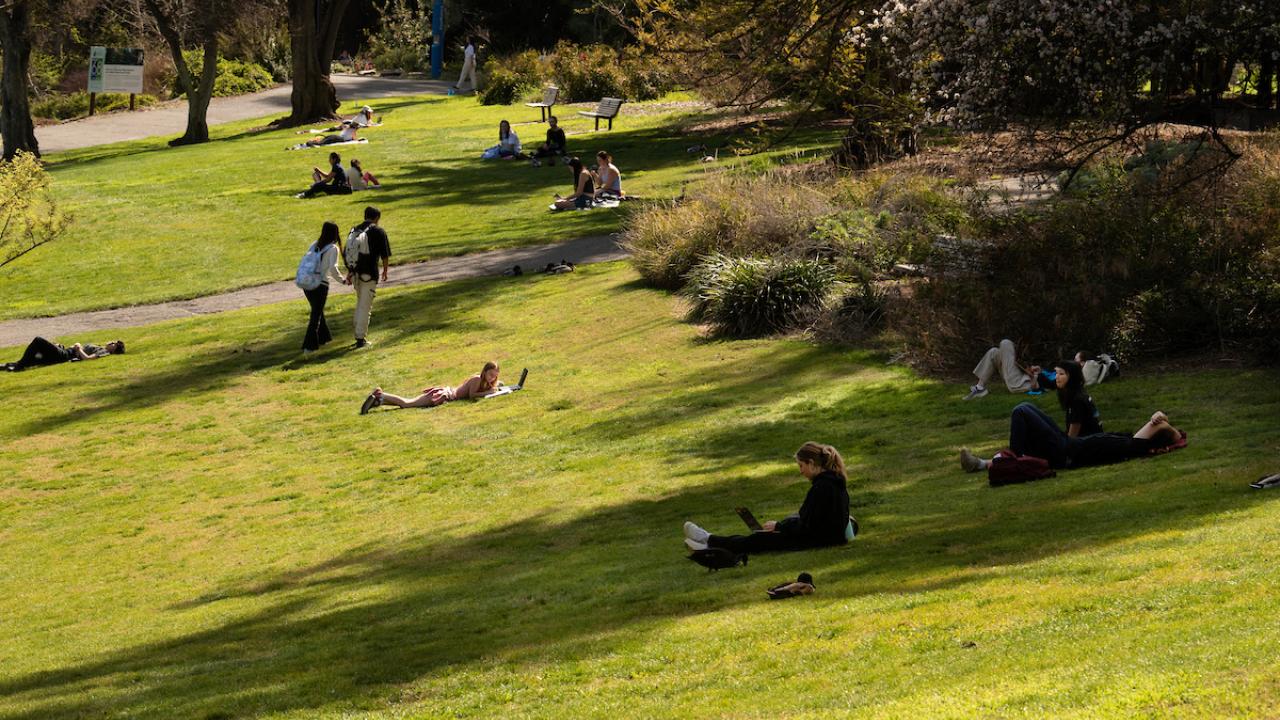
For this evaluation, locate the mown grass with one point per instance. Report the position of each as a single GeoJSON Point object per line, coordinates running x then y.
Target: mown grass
{"type": "Point", "coordinates": [204, 528]}
{"type": "Point", "coordinates": [156, 223]}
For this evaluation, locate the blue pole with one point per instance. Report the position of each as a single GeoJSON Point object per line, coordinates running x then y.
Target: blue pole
{"type": "Point", "coordinates": [437, 40]}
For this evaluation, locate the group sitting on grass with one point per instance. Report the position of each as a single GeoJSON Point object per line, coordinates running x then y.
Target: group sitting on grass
{"type": "Point", "coordinates": [45, 352]}
{"type": "Point", "coordinates": [473, 388]}
{"type": "Point", "coordinates": [823, 519]}
{"type": "Point", "coordinates": [590, 188]}
{"type": "Point", "coordinates": [1032, 432]}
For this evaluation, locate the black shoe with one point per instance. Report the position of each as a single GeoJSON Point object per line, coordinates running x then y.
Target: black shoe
{"type": "Point", "coordinates": [373, 401]}
{"type": "Point", "coordinates": [361, 342]}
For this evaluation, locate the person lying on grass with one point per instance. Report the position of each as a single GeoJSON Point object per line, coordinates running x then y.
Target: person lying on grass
{"type": "Point", "coordinates": [1032, 432]}
{"type": "Point", "coordinates": [474, 387]}
{"type": "Point", "coordinates": [823, 519]}
{"type": "Point", "coordinates": [347, 134]}
{"type": "Point", "coordinates": [584, 191]}
{"type": "Point", "coordinates": [43, 352]}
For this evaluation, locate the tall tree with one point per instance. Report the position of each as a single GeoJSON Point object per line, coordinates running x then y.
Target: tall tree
{"type": "Point", "coordinates": [313, 31]}
{"type": "Point", "coordinates": [196, 22]}
{"type": "Point", "coordinates": [15, 109]}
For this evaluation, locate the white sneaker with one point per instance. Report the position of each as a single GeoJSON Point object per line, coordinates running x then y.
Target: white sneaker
{"type": "Point", "coordinates": [694, 544]}
{"type": "Point", "coordinates": [695, 533]}
{"type": "Point", "coordinates": [976, 392]}
{"type": "Point", "coordinates": [970, 462]}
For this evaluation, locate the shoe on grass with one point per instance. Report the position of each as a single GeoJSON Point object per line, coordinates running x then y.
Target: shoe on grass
{"type": "Point", "coordinates": [695, 533]}
{"type": "Point", "coordinates": [361, 342]}
{"type": "Point", "coordinates": [976, 392]}
{"type": "Point", "coordinates": [371, 402]}
{"type": "Point", "coordinates": [969, 461]}
{"type": "Point", "coordinates": [694, 545]}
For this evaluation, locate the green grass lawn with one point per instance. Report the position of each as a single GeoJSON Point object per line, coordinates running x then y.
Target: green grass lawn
{"type": "Point", "coordinates": [205, 528]}
{"type": "Point", "coordinates": [156, 223]}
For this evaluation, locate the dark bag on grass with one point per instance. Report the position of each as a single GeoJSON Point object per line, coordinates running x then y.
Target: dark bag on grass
{"type": "Point", "coordinates": [1006, 468]}
{"type": "Point", "coordinates": [718, 558]}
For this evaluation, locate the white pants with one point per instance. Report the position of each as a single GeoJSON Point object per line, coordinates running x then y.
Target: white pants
{"type": "Point", "coordinates": [1003, 360]}
{"type": "Point", "coordinates": [468, 70]}
{"type": "Point", "coordinates": [365, 290]}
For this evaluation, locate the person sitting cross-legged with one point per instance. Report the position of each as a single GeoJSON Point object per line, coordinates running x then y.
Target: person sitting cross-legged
{"type": "Point", "coordinates": [555, 146]}
{"type": "Point", "coordinates": [45, 352]}
{"type": "Point", "coordinates": [474, 387]}
{"type": "Point", "coordinates": [823, 519]}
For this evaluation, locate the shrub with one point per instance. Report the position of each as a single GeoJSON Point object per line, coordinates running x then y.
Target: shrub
{"type": "Point", "coordinates": [502, 87]}
{"type": "Point", "coordinates": [583, 74]}
{"type": "Point", "coordinates": [29, 213]}
{"type": "Point", "coordinates": [67, 106]}
{"type": "Point", "coordinates": [1149, 256]}
{"type": "Point", "coordinates": [402, 38]}
{"type": "Point", "coordinates": [587, 73]}
{"type": "Point", "coordinates": [235, 77]}
{"type": "Point", "coordinates": [746, 297]}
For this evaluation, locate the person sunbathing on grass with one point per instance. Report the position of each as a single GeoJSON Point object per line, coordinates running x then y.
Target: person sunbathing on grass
{"type": "Point", "coordinates": [347, 134]}
{"type": "Point", "coordinates": [823, 519]}
{"type": "Point", "coordinates": [474, 387]}
{"type": "Point", "coordinates": [1032, 432]}
{"type": "Point", "coordinates": [44, 352]}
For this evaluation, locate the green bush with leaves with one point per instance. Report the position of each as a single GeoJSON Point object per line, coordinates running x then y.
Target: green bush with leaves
{"type": "Point", "coordinates": [402, 38]}
{"type": "Point", "coordinates": [747, 297]}
{"type": "Point", "coordinates": [29, 212]}
{"type": "Point", "coordinates": [68, 106]}
{"type": "Point", "coordinates": [584, 73]}
{"type": "Point", "coordinates": [235, 77]}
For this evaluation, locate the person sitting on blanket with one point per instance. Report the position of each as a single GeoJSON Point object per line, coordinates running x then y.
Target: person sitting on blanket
{"type": "Point", "coordinates": [360, 178]}
{"type": "Point", "coordinates": [333, 182]}
{"type": "Point", "coordinates": [1032, 432]}
{"type": "Point", "coordinates": [348, 134]}
{"type": "Point", "coordinates": [556, 144]}
{"type": "Point", "coordinates": [583, 189]}
{"type": "Point", "coordinates": [474, 387]}
{"type": "Point", "coordinates": [610, 180]}
{"type": "Point", "coordinates": [43, 352]}
{"type": "Point", "coordinates": [823, 519]}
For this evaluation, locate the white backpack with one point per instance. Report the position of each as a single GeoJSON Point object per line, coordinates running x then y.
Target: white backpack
{"type": "Point", "coordinates": [357, 245]}
{"type": "Point", "coordinates": [310, 274]}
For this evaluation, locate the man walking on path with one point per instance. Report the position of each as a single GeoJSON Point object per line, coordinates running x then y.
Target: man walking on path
{"type": "Point", "coordinates": [364, 276]}
{"type": "Point", "coordinates": [468, 66]}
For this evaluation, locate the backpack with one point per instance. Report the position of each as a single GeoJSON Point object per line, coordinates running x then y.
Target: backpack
{"type": "Point", "coordinates": [357, 245]}
{"type": "Point", "coordinates": [310, 275]}
{"type": "Point", "coordinates": [1009, 469]}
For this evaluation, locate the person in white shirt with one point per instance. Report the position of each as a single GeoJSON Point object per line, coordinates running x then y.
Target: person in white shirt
{"type": "Point", "coordinates": [508, 147]}
{"type": "Point", "coordinates": [468, 66]}
{"type": "Point", "coordinates": [360, 178]}
{"type": "Point", "coordinates": [317, 329]}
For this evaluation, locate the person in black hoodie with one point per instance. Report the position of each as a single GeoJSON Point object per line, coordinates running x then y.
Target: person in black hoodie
{"type": "Point", "coordinates": [823, 519]}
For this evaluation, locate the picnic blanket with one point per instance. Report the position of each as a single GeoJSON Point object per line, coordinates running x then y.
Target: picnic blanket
{"type": "Point", "coordinates": [592, 206]}
{"type": "Point", "coordinates": [305, 146]}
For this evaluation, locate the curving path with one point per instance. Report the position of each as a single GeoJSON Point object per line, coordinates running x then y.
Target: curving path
{"type": "Point", "coordinates": [85, 326]}
{"type": "Point", "coordinates": [170, 118]}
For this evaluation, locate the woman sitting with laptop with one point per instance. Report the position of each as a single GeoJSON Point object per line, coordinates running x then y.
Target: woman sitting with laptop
{"type": "Point", "coordinates": [823, 519]}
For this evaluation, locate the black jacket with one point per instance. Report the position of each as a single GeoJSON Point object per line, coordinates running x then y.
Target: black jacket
{"type": "Point", "coordinates": [825, 513]}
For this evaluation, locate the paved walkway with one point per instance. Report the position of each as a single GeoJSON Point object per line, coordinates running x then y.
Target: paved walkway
{"type": "Point", "coordinates": [97, 325]}
{"type": "Point", "coordinates": [171, 117]}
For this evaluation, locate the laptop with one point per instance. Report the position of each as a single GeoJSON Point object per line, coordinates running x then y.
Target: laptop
{"type": "Point", "coordinates": [752, 523]}
{"type": "Point", "coordinates": [508, 389]}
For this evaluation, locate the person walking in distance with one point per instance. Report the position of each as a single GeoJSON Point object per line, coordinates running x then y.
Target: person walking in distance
{"type": "Point", "coordinates": [468, 66]}
{"type": "Point", "coordinates": [367, 248]}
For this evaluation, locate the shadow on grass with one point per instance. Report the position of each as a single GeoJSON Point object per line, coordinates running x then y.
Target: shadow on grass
{"type": "Point", "coordinates": [346, 629]}
{"type": "Point", "coordinates": [396, 315]}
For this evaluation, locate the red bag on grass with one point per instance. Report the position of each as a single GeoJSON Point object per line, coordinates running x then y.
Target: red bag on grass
{"type": "Point", "coordinates": [1006, 468]}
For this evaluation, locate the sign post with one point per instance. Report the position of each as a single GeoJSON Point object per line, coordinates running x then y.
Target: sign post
{"type": "Point", "coordinates": [115, 70]}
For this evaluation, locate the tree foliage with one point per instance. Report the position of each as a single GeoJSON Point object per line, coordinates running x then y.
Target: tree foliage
{"type": "Point", "coordinates": [29, 214]}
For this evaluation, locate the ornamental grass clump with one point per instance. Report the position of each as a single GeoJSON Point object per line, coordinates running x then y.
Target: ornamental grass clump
{"type": "Point", "coordinates": [748, 297]}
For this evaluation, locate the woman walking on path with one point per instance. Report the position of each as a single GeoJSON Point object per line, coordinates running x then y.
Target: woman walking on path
{"type": "Point", "coordinates": [327, 248]}
{"type": "Point", "coordinates": [823, 519]}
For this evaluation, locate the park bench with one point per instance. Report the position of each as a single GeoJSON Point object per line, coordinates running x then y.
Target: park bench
{"type": "Point", "coordinates": [606, 110]}
{"type": "Point", "coordinates": [549, 95]}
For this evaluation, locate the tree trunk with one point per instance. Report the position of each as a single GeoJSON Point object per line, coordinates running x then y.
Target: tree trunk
{"type": "Point", "coordinates": [313, 32]}
{"type": "Point", "coordinates": [198, 95]}
{"type": "Point", "coordinates": [1266, 76]}
{"type": "Point", "coordinates": [15, 108]}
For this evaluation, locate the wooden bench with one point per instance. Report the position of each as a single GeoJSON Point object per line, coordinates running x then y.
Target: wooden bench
{"type": "Point", "coordinates": [549, 96]}
{"type": "Point", "coordinates": [606, 110]}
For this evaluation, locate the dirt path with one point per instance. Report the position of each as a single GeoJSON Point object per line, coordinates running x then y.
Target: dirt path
{"type": "Point", "coordinates": [171, 117]}
{"type": "Point", "coordinates": [96, 326]}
